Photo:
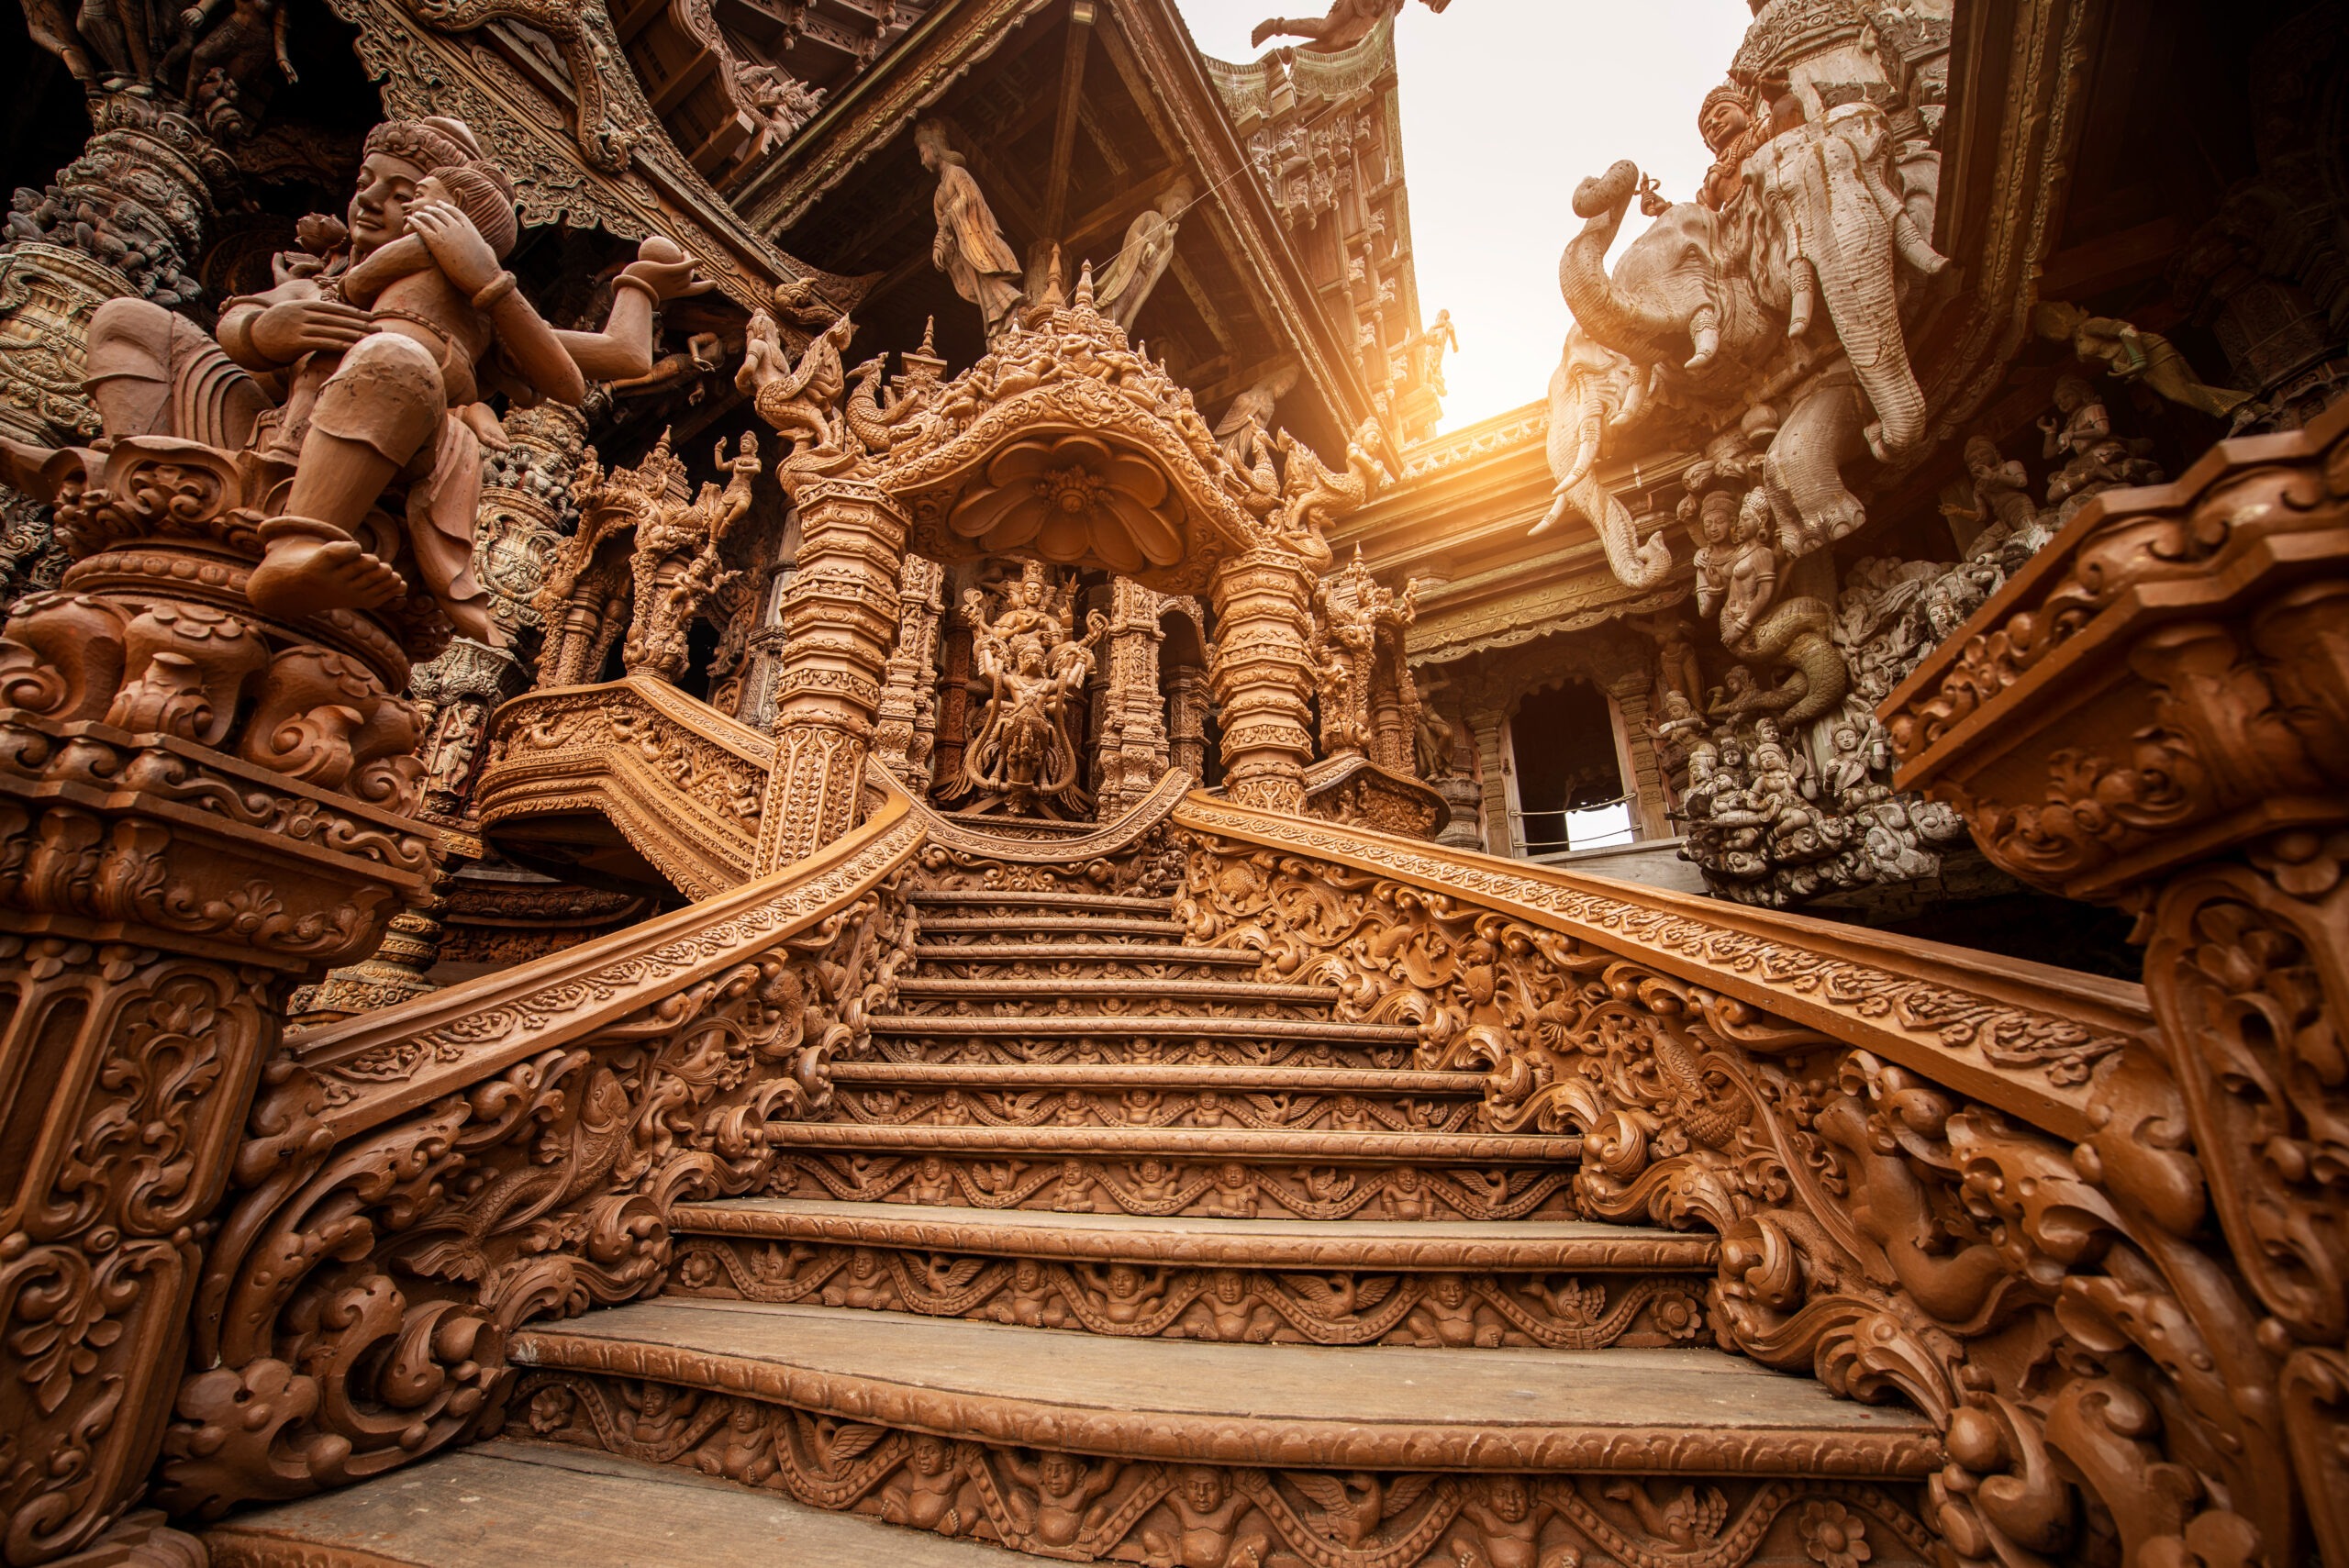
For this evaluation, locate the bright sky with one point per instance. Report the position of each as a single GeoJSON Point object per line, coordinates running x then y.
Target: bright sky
{"type": "Point", "coordinates": [1507, 106]}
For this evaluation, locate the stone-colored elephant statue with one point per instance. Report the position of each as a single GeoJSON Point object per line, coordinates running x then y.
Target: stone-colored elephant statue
{"type": "Point", "coordinates": [1703, 300]}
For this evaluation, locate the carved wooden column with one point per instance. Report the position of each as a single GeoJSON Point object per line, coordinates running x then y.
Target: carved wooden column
{"type": "Point", "coordinates": [1492, 778]}
{"type": "Point", "coordinates": [908, 710]}
{"type": "Point", "coordinates": [126, 219]}
{"type": "Point", "coordinates": [1645, 773]}
{"type": "Point", "coordinates": [526, 510]}
{"type": "Point", "coordinates": [1187, 719]}
{"type": "Point", "coordinates": [1133, 750]}
{"type": "Point", "coordinates": [1262, 675]}
{"type": "Point", "coordinates": [2155, 713]}
{"type": "Point", "coordinates": [840, 620]}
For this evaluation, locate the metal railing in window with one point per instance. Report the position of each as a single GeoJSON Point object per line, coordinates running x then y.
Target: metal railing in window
{"type": "Point", "coordinates": [1600, 825]}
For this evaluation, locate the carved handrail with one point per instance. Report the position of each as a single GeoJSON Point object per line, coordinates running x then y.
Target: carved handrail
{"type": "Point", "coordinates": [2022, 1037]}
{"type": "Point", "coordinates": [679, 780]}
{"type": "Point", "coordinates": [419, 1181]}
{"type": "Point", "coordinates": [1957, 1181]}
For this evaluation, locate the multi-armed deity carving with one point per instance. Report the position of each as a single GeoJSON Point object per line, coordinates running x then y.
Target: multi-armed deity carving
{"type": "Point", "coordinates": [1025, 755]}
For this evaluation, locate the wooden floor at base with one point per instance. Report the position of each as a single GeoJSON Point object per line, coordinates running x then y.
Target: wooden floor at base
{"type": "Point", "coordinates": [534, 1507]}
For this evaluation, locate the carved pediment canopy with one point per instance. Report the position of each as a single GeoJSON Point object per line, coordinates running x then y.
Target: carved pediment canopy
{"type": "Point", "coordinates": [1065, 445]}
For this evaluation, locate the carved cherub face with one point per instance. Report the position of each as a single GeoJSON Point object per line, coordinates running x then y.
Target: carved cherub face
{"type": "Point", "coordinates": [1058, 1472]}
{"type": "Point", "coordinates": [929, 1455]}
{"type": "Point", "coordinates": [1204, 1487]}
{"type": "Point", "coordinates": [1506, 1496]}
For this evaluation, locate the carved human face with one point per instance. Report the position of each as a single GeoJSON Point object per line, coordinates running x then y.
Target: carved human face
{"type": "Point", "coordinates": [1203, 1488]}
{"type": "Point", "coordinates": [1508, 1498]}
{"type": "Point", "coordinates": [388, 186]}
{"type": "Point", "coordinates": [929, 1455]}
{"type": "Point", "coordinates": [1720, 516]}
{"type": "Point", "coordinates": [1058, 1472]}
{"type": "Point", "coordinates": [1448, 1290]}
{"type": "Point", "coordinates": [1723, 122]}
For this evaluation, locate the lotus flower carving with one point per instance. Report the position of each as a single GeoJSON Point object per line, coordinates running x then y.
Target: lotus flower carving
{"type": "Point", "coordinates": [1067, 497]}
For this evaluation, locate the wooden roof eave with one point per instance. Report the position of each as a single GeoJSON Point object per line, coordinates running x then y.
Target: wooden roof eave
{"type": "Point", "coordinates": [870, 111]}
{"type": "Point", "coordinates": [1271, 267]}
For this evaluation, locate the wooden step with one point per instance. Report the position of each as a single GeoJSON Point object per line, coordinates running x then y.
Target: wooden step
{"type": "Point", "coordinates": [1236, 1078]}
{"type": "Point", "coordinates": [1614, 1411]}
{"type": "Point", "coordinates": [1111, 904]}
{"type": "Point", "coordinates": [572, 1507]}
{"type": "Point", "coordinates": [1143, 961]}
{"type": "Point", "coordinates": [1138, 1095]}
{"type": "Point", "coordinates": [1424, 1246]}
{"type": "Point", "coordinates": [1215, 1173]}
{"type": "Point", "coordinates": [924, 995]}
{"type": "Point", "coordinates": [1159, 1028]}
{"type": "Point", "coordinates": [948, 929]}
{"type": "Point", "coordinates": [1208, 1144]}
{"type": "Point", "coordinates": [1563, 1284]}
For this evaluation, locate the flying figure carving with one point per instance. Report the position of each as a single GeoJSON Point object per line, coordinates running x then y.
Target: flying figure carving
{"type": "Point", "coordinates": [1348, 23]}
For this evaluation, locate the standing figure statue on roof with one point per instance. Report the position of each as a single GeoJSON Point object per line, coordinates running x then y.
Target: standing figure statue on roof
{"type": "Point", "coordinates": [970, 247]}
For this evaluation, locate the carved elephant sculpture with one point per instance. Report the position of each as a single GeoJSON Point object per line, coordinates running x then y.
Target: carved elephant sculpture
{"type": "Point", "coordinates": [1703, 301]}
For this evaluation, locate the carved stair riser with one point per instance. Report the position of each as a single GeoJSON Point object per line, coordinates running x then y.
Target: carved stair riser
{"type": "Point", "coordinates": [1242, 1187]}
{"type": "Point", "coordinates": [1579, 1311]}
{"type": "Point", "coordinates": [1074, 1506]}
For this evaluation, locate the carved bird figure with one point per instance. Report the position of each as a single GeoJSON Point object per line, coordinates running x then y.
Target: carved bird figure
{"type": "Point", "coordinates": [1687, 1521]}
{"type": "Point", "coordinates": [1347, 1510]}
{"type": "Point", "coordinates": [1342, 1296]}
{"type": "Point", "coordinates": [1315, 499]}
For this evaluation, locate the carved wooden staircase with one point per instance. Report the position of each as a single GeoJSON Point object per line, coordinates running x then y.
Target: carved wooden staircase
{"type": "Point", "coordinates": [1199, 1202]}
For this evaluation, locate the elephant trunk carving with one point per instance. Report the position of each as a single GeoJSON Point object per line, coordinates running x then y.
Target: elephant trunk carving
{"type": "Point", "coordinates": [1592, 392]}
{"type": "Point", "coordinates": [1621, 321]}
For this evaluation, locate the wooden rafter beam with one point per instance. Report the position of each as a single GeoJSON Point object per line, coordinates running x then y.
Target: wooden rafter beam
{"type": "Point", "coordinates": [1080, 37]}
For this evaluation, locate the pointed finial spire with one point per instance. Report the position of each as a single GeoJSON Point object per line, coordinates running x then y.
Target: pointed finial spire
{"type": "Point", "coordinates": [1085, 287]}
{"type": "Point", "coordinates": [929, 338]}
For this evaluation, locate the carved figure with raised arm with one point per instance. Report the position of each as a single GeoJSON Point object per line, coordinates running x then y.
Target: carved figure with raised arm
{"type": "Point", "coordinates": [969, 246]}
{"type": "Point", "coordinates": [387, 353]}
{"type": "Point", "coordinates": [1029, 668]}
{"type": "Point", "coordinates": [1143, 260]}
